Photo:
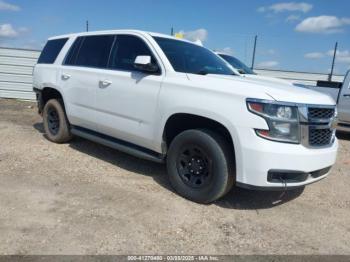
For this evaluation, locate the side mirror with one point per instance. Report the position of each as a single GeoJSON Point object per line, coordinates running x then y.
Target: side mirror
{"type": "Point", "coordinates": [144, 63]}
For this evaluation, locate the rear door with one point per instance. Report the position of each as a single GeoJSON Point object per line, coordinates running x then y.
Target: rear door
{"type": "Point", "coordinates": [80, 75]}
{"type": "Point", "coordinates": [344, 100]}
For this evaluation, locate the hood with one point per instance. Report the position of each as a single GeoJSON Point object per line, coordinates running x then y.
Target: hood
{"type": "Point", "coordinates": [258, 88]}
{"type": "Point", "coordinates": [267, 79]}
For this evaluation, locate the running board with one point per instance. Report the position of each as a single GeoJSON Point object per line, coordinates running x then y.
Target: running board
{"type": "Point", "coordinates": [117, 144]}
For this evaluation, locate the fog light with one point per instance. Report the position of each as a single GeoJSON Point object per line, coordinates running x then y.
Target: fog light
{"type": "Point", "coordinates": [283, 128]}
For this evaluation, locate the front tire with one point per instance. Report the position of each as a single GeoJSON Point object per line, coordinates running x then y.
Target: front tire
{"type": "Point", "coordinates": [200, 165]}
{"type": "Point", "coordinates": [56, 124]}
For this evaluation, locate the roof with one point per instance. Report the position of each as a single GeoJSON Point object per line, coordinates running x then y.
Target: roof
{"type": "Point", "coordinates": [123, 31]}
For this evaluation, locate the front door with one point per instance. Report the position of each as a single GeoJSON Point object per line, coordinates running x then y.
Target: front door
{"type": "Point", "coordinates": [127, 101]}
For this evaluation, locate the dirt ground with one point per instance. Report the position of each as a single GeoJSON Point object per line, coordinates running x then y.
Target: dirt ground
{"type": "Point", "coordinates": [84, 198]}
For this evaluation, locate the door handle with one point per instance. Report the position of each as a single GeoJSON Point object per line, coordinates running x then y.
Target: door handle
{"type": "Point", "coordinates": [346, 95]}
{"type": "Point", "coordinates": [65, 76]}
{"type": "Point", "coordinates": [105, 83]}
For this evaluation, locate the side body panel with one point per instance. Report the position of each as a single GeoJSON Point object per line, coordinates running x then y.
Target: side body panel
{"type": "Point", "coordinates": [344, 101]}
{"type": "Point", "coordinates": [79, 86]}
{"type": "Point", "coordinates": [127, 107]}
{"type": "Point", "coordinates": [179, 94]}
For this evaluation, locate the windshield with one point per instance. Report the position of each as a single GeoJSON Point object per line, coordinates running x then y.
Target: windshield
{"type": "Point", "coordinates": [240, 66]}
{"type": "Point", "coordinates": [191, 58]}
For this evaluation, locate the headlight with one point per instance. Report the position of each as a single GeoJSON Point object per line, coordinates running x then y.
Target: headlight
{"type": "Point", "coordinates": [282, 119]}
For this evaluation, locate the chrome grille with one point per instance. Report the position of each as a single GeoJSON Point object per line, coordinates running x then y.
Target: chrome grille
{"type": "Point", "coordinates": [320, 113]}
{"type": "Point", "coordinates": [320, 137]}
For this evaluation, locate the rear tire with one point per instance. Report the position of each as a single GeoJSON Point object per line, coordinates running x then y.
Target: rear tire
{"type": "Point", "coordinates": [200, 165]}
{"type": "Point", "coordinates": [55, 121]}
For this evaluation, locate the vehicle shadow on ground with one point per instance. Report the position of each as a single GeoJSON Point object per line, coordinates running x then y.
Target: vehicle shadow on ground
{"type": "Point", "coordinates": [243, 199]}
{"type": "Point", "coordinates": [237, 198]}
{"type": "Point", "coordinates": [343, 135]}
{"type": "Point", "coordinates": [39, 127]}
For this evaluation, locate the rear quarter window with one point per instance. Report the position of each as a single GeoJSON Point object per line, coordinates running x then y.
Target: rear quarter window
{"type": "Point", "coordinates": [51, 51]}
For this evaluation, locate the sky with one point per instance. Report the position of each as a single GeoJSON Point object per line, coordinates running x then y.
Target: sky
{"type": "Point", "coordinates": [292, 35]}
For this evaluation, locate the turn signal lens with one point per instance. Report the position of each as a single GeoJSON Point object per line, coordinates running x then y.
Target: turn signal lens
{"type": "Point", "coordinates": [256, 107]}
{"type": "Point", "coordinates": [263, 133]}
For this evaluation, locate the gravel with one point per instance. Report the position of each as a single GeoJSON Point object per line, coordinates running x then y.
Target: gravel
{"type": "Point", "coordinates": [84, 198]}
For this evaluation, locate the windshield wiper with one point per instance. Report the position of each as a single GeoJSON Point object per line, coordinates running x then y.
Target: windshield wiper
{"type": "Point", "coordinates": [202, 72]}
{"type": "Point", "coordinates": [205, 72]}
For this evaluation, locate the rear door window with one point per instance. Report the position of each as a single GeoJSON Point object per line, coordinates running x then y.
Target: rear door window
{"type": "Point", "coordinates": [93, 51]}
{"type": "Point", "coordinates": [73, 52]}
{"type": "Point", "coordinates": [51, 51]}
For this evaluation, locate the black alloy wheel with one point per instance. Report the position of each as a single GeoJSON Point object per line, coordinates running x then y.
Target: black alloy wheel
{"type": "Point", "coordinates": [56, 124]}
{"type": "Point", "coordinates": [200, 165]}
{"type": "Point", "coordinates": [194, 166]}
{"type": "Point", "coordinates": [53, 120]}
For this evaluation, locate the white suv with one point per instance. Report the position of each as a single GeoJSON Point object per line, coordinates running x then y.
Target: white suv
{"type": "Point", "coordinates": [169, 100]}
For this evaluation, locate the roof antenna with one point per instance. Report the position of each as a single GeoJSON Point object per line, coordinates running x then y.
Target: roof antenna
{"type": "Point", "coordinates": [333, 62]}
{"type": "Point", "coordinates": [254, 51]}
{"type": "Point", "coordinates": [87, 25]}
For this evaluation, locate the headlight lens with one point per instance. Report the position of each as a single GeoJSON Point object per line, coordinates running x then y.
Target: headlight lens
{"type": "Point", "coordinates": [284, 112]}
{"type": "Point", "coordinates": [283, 120]}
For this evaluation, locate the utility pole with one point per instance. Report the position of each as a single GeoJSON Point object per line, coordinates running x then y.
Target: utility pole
{"type": "Point", "coordinates": [87, 25]}
{"type": "Point", "coordinates": [254, 51]}
{"type": "Point", "coordinates": [172, 31]}
{"type": "Point", "coordinates": [333, 62]}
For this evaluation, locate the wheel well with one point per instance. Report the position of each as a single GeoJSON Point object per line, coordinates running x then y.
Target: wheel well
{"type": "Point", "coordinates": [180, 122]}
{"type": "Point", "coordinates": [48, 93]}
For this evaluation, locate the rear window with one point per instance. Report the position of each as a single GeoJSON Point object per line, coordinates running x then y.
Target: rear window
{"type": "Point", "coordinates": [51, 51]}
{"type": "Point", "coordinates": [90, 51]}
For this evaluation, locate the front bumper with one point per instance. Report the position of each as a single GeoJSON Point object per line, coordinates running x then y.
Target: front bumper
{"type": "Point", "coordinates": [259, 156]}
